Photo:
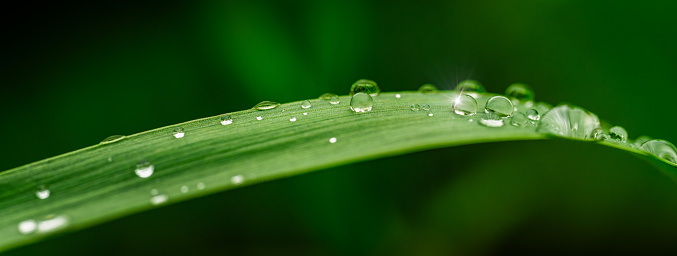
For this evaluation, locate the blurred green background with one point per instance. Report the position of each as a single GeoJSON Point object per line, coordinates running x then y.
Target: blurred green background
{"type": "Point", "coordinates": [76, 73]}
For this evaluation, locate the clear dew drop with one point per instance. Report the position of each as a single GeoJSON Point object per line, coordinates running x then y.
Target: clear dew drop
{"type": "Point", "coordinates": [332, 140]}
{"type": "Point", "coordinates": [259, 118]}
{"type": "Point", "coordinates": [533, 115]}
{"type": "Point", "coordinates": [27, 226]}
{"type": "Point", "coordinates": [425, 107]}
{"type": "Point", "coordinates": [200, 186]}
{"type": "Point", "coordinates": [599, 134]}
{"type": "Point", "coordinates": [144, 169]}
{"type": "Point", "coordinates": [305, 104]}
{"type": "Point", "coordinates": [184, 189]}
{"type": "Point", "coordinates": [334, 100]}
{"type": "Point", "coordinates": [226, 120]}
{"type": "Point", "coordinates": [518, 119]}
{"type": "Point", "coordinates": [398, 96]}
{"type": "Point", "coordinates": [520, 92]}
{"type": "Point", "coordinates": [499, 105]}
{"type": "Point", "coordinates": [111, 139]}
{"type": "Point", "coordinates": [569, 121]}
{"type": "Point", "coordinates": [427, 88]}
{"type": "Point", "coordinates": [365, 86]}
{"type": "Point", "coordinates": [292, 119]}
{"type": "Point", "coordinates": [491, 120]}
{"type": "Point", "coordinates": [470, 86]}
{"type": "Point", "coordinates": [237, 179]}
{"type": "Point", "coordinates": [662, 149]}
{"type": "Point", "coordinates": [327, 96]}
{"type": "Point", "coordinates": [361, 102]}
{"type": "Point", "coordinates": [265, 105]}
{"type": "Point", "coordinates": [415, 107]}
{"type": "Point", "coordinates": [53, 222]}
{"type": "Point", "coordinates": [618, 134]}
{"type": "Point", "coordinates": [158, 199]}
{"type": "Point", "coordinates": [43, 192]}
{"type": "Point", "coordinates": [464, 105]}
{"type": "Point", "coordinates": [179, 133]}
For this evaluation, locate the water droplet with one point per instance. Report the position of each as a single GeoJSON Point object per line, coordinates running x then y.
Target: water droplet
{"type": "Point", "coordinates": [361, 102]}
{"type": "Point", "coordinates": [569, 121]}
{"type": "Point", "coordinates": [662, 149]}
{"type": "Point", "coordinates": [398, 96]}
{"type": "Point", "coordinates": [425, 107]}
{"type": "Point", "coordinates": [292, 119]}
{"type": "Point", "coordinates": [226, 120]}
{"type": "Point", "coordinates": [27, 226]}
{"type": "Point", "coordinates": [542, 107]}
{"type": "Point", "coordinates": [43, 192]}
{"type": "Point", "coordinates": [520, 92]}
{"type": "Point", "coordinates": [332, 140]}
{"type": "Point", "coordinates": [154, 192]}
{"type": "Point", "coordinates": [334, 100]}
{"type": "Point", "coordinates": [491, 120]}
{"type": "Point", "coordinates": [259, 118]}
{"type": "Point", "coordinates": [518, 119]}
{"type": "Point", "coordinates": [427, 88]}
{"type": "Point", "coordinates": [179, 133]}
{"type": "Point", "coordinates": [265, 105]}
{"type": "Point", "coordinates": [464, 105]}
{"type": "Point", "coordinates": [430, 113]}
{"type": "Point", "coordinates": [639, 141]}
{"type": "Point", "coordinates": [305, 113]}
{"type": "Point", "coordinates": [305, 104]}
{"type": "Point", "coordinates": [327, 96]}
{"type": "Point", "coordinates": [618, 134]}
{"type": "Point", "coordinates": [144, 169]}
{"type": "Point", "coordinates": [159, 199]}
{"type": "Point", "coordinates": [599, 134]}
{"type": "Point", "coordinates": [499, 105]}
{"type": "Point", "coordinates": [184, 189]}
{"type": "Point", "coordinates": [470, 86]}
{"type": "Point", "coordinates": [109, 159]}
{"type": "Point", "coordinates": [111, 139]}
{"type": "Point", "coordinates": [365, 86]}
{"type": "Point", "coordinates": [53, 223]}
{"type": "Point", "coordinates": [237, 179]}
{"type": "Point", "coordinates": [200, 186]}
{"type": "Point", "coordinates": [533, 115]}
{"type": "Point", "coordinates": [415, 107]}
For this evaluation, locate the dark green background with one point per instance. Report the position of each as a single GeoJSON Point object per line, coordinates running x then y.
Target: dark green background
{"type": "Point", "coordinates": [76, 73]}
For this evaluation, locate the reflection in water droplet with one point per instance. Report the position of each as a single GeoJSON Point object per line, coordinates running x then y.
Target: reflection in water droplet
{"type": "Point", "coordinates": [43, 192]}
{"type": "Point", "coordinates": [159, 199]}
{"type": "Point", "coordinates": [184, 189]}
{"type": "Point", "coordinates": [469, 86]}
{"type": "Point", "coordinates": [112, 138]}
{"type": "Point", "coordinates": [533, 115]}
{"type": "Point", "coordinates": [334, 100]}
{"type": "Point", "coordinates": [569, 121]}
{"type": "Point", "coordinates": [259, 118]}
{"type": "Point", "coordinates": [237, 179]}
{"type": "Point", "coordinates": [491, 120]}
{"type": "Point", "coordinates": [365, 86]}
{"type": "Point", "coordinates": [226, 120]}
{"type": "Point", "coordinates": [618, 134]}
{"type": "Point", "coordinates": [53, 223]}
{"type": "Point", "coordinates": [265, 105]}
{"type": "Point", "coordinates": [599, 134]}
{"type": "Point", "coordinates": [427, 88]}
{"type": "Point", "coordinates": [499, 105]}
{"type": "Point", "coordinates": [305, 104]}
{"type": "Point", "coordinates": [464, 105]}
{"type": "Point", "coordinates": [398, 96]}
{"type": "Point", "coordinates": [332, 140]}
{"type": "Point", "coordinates": [361, 102]}
{"type": "Point", "coordinates": [415, 107]}
{"type": "Point", "coordinates": [425, 107]}
{"type": "Point", "coordinates": [179, 133]}
{"type": "Point", "coordinates": [200, 186]}
{"type": "Point", "coordinates": [292, 119]}
{"type": "Point", "coordinates": [520, 92]}
{"type": "Point", "coordinates": [327, 96]}
{"type": "Point", "coordinates": [518, 119]}
{"type": "Point", "coordinates": [662, 149]}
{"type": "Point", "coordinates": [27, 226]}
{"type": "Point", "coordinates": [144, 169]}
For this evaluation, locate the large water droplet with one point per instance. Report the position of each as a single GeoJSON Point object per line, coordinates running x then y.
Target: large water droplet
{"type": "Point", "coordinates": [144, 169]}
{"type": "Point", "coordinates": [533, 115]}
{"type": "Point", "coordinates": [327, 96]}
{"type": "Point", "coordinates": [569, 121]}
{"type": "Point", "coordinates": [415, 107]}
{"type": "Point", "coordinates": [179, 133]}
{"type": "Point", "coordinates": [265, 105]}
{"type": "Point", "coordinates": [334, 100]}
{"type": "Point", "coordinates": [662, 149]}
{"type": "Point", "coordinates": [499, 105]}
{"type": "Point", "coordinates": [361, 102]}
{"type": "Point", "coordinates": [226, 120]}
{"type": "Point", "coordinates": [521, 92]}
{"type": "Point", "coordinates": [305, 104]}
{"type": "Point", "coordinates": [618, 134]}
{"type": "Point", "coordinates": [491, 120]}
{"type": "Point", "coordinates": [470, 86]}
{"type": "Point", "coordinates": [427, 88]}
{"type": "Point", "coordinates": [237, 179]}
{"type": "Point", "coordinates": [365, 86]}
{"type": "Point", "coordinates": [52, 223]}
{"type": "Point", "coordinates": [43, 192]}
{"type": "Point", "coordinates": [464, 105]}
{"type": "Point", "coordinates": [518, 119]}
{"type": "Point", "coordinates": [111, 139]}
{"type": "Point", "coordinates": [27, 226]}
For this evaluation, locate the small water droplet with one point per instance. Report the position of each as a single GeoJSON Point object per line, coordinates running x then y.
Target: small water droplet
{"type": "Point", "coordinates": [365, 86]}
{"type": "Point", "coordinates": [425, 107]}
{"type": "Point", "coordinates": [361, 102]}
{"type": "Point", "coordinates": [398, 96]}
{"type": "Point", "coordinates": [662, 149]}
{"type": "Point", "coordinates": [259, 118]}
{"type": "Point", "coordinates": [327, 96]}
{"type": "Point", "coordinates": [292, 119]}
{"type": "Point", "coordinates": [109, 159]}
{"type": "Point", "coordinates": [470, 86]}
{"type": "Point", "coordinates": [334, 100]}
{"type": "Point", "coordinates": [599, 134]}
{"type": "Point", "coordinates": [332, 140]}
{"type": "Point", "coordinates": [427, 88]}
{"type": "Point", "coordinates": [533, 115]}
{"type": "Point", "coordinates": [415, 107]}
{"type": "Point", "coordinates": [111, 139]}
{"type": "Point", "coordinates": [52, 223]}
{"type": "Point", "coordinates": [520, 92]}
{"type": "Point", "coordinates": [499, 105]}
{"type": "Point", "coordinates": [27, 226]}
{"type": "Point", "coordinates": [144, 169]}
{"type": "Point", "coordinates": [154, 192]}
{"type": "Point", "coordinates": [305, 104]}
{"type": "Point", "coordinates": [184, 189]}
{"type": "Point", "coordinates": [305, 113]}
{"type": "Point", "coordinates": [464, 105]}
{"type": "Point", "coordinates": [569, 121]}
{"type": "Point", "coordinates": [159, 199]}
{"type": "Point", "coordinates": [618, 134]}
{"type": "Point", "coordinates": [430, 113]}
{"type": "Point", "coordinates": [43, 192]}
{"type": "Point", "coordinates": [491, 120]}
{"type": "Point", "coordinates": [179, 133]}
{"type": "Point", "coordinates": [237, 179]}
{"type": "Point", "coordinates": [518, 119]}
{"type": "Point", "coordinates": [226, 120]}
{"type": "Point", "coordinates": [200, 186]}
{"type": "Point", "coordinates": [265, 105]}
